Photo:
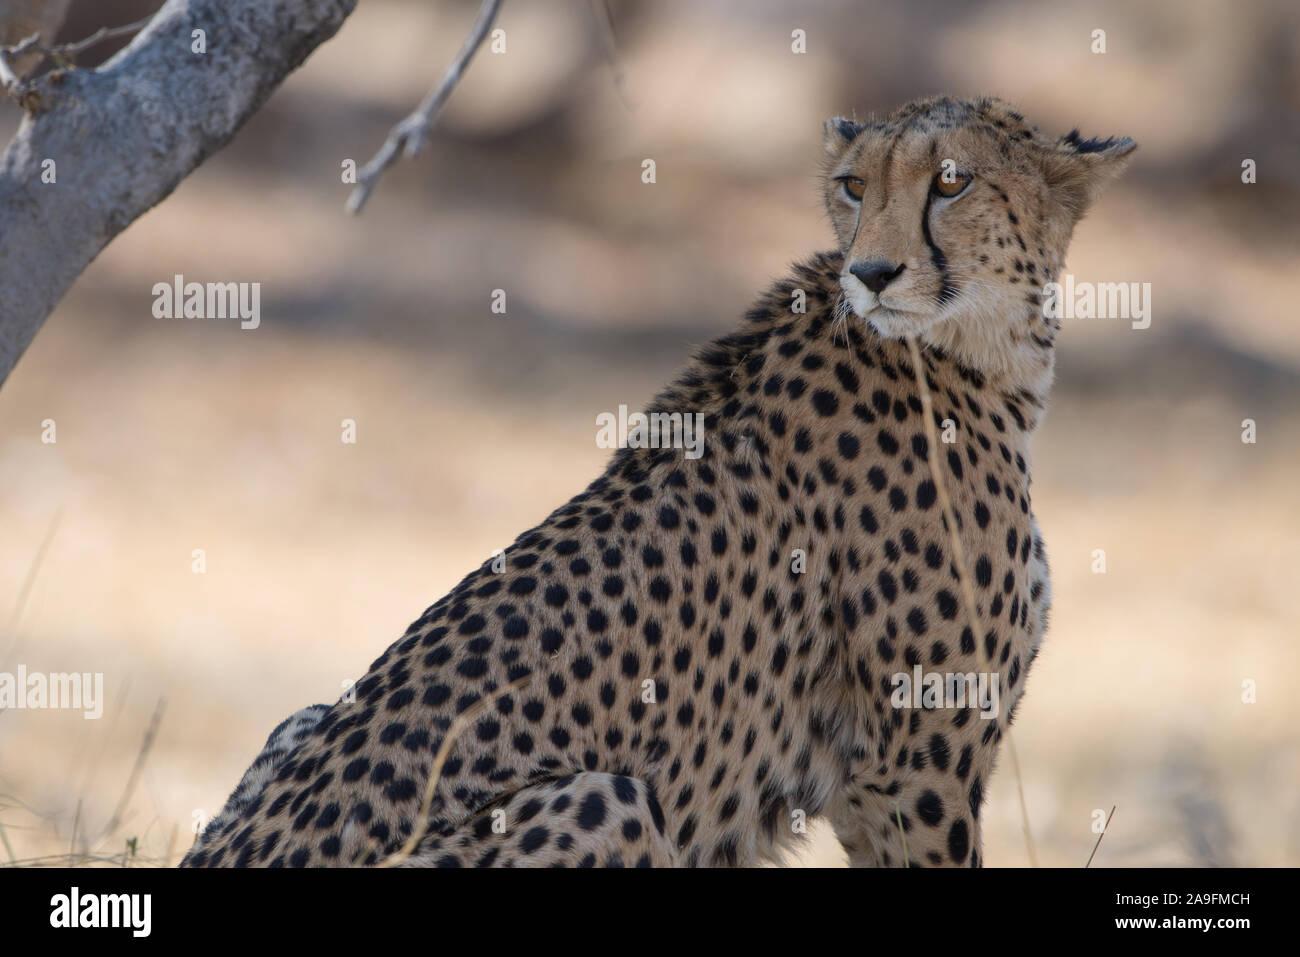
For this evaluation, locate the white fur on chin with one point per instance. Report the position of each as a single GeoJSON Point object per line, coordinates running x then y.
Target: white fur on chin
{"type": "Point", "coordinates": [974, 328]}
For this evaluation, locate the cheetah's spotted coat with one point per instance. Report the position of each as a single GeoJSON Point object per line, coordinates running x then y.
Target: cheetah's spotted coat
{"type": "Point", "coordinates": [771, 687]}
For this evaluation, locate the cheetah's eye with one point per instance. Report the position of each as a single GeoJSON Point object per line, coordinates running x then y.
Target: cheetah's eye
{"type": "Point", "coordinates": [942, 187]}
{"type": "Point", "coordinates": [854, 187]}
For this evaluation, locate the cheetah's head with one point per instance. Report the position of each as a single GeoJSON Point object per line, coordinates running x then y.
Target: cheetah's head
{"type": "Point", "coordinates": [952, 215]}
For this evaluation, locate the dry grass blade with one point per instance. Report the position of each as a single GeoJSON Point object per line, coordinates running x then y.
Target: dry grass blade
{"type": "Point", "coordinates": [435, 773]}
{"type": "Point", "coordinates": [25, 591]}
{"type": "Point", "coordinates": [85, 860]}
{"type": "Point", "coordinates": [171, 843]}
{"type": "Point", "coordinates": [9, 848]}
{"type": "Point", "coordinates": [1104, 829]}
{"type": "Point", "coordinates": [151, 732]}
{"type": "Point", "coordinates": [72, 842]}
{"type": "Point", "coordinates": [1024, 808]}
{"type": "Point", "coordinates": [963, 570]}
{"type": "Point", "coordinates": [898, 816]}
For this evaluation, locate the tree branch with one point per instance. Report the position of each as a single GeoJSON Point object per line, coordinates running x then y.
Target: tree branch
{"type": "Point", "coordinates": [412, 133]}
{"type": "Point", "coordinates": [100, 147]}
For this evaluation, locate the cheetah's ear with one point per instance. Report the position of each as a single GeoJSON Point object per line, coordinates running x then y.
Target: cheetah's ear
{"type": "Point", "coordinates": [1077, 170]}
{"type": "Point", "coordinates": [838, 133]}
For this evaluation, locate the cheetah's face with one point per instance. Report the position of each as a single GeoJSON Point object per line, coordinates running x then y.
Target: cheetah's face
{"type": "Point", "coordinates": [952, 215]}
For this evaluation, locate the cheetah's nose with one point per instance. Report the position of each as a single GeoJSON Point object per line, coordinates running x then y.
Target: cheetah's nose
{"type": "Point", "coordinates": [876, 274]}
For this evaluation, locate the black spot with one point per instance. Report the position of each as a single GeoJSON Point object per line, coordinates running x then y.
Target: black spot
{"type": "Point", "coordinates": [925, 494]}
{"type": "Point", "coordinates": [958, 841]}
{"type": "Point", "coordinates": [473, 667]}
{"type": "Point", "coordinates": [868, 520]}
{"type": "Point", "coordinates": [534, 839]}
{"type": "Point", "coordinates": [947, 604]}
{"type": "Point", "coordinates": [825, 402]}
{"type": "Point", "coordinates": [624, 789]}
{"type": "Point", "coordinates": [591, 814]}
{"type": "Point", "coordinates": [929, 808]}
{"type": "Point", "coordinates": [551, 640]}
{"type": "Point", "coordinates": [524, 585]}
{"type": "Point", "coordinates": [939, 752]}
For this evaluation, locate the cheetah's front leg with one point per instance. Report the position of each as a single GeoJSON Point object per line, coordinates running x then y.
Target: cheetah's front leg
{"type": "Point", "coordinates": [927, 819]}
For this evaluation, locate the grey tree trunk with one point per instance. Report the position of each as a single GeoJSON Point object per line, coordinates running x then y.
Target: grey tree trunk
{"type": "Point", "coordinates": [117, 140]}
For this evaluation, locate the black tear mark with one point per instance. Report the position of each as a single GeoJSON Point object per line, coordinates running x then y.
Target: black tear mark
{"type": "Point", "coordinates": [947, 291]}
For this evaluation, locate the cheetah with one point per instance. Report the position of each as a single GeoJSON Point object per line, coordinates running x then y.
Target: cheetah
{"type": "Point", "coordinates": [696, 654]}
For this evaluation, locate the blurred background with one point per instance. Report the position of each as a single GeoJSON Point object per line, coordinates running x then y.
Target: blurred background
{"type": "Point", "coordinates": [471, 426]}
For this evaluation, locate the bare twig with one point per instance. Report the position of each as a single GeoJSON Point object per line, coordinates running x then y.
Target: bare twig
{"type": "Point", "coordinates": [412, 133]}
{"type": "Point", "coordinates": [103, 33]}
{"type": "Point", "coordinates": [1104, 829]}
{"type": "Point", "coordinates": [61, 53]}
{"type": "Point", "coordinates": [963, 572]}
{"type": "Point", "coordinates": [9, 79]}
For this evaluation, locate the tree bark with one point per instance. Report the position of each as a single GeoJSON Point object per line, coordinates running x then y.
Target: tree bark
{"type": "Point", "coordinates": [123, 136]}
